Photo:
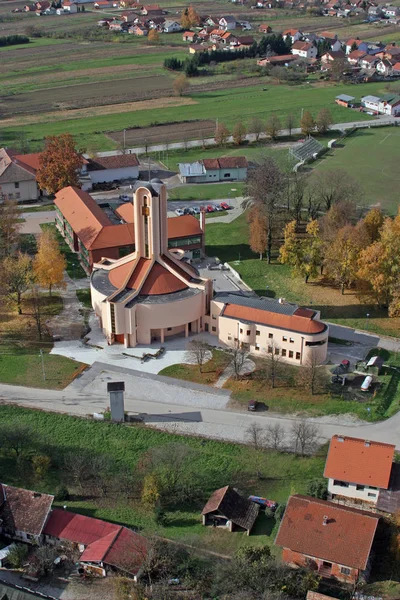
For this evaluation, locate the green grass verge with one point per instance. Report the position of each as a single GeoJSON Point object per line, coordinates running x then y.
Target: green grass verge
{"type": "Point", "coordinates": [206, 191]}
{"type": "Point", "coordinates": [228, 241]}
{"type": "Point", "coordinates": [43, 208]}
{"type": "Point", "coordinates": [74, 268]}
{"type": "Point", "coordinates": [209, 374]}
{"type": "Point", "coordinates": [214, 463]}
{"type": "Point", "coordinates": [84, 297]}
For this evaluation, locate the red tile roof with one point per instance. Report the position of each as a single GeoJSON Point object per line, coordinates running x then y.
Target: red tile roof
{"type": "Point", "coordinates": [346, 539]}
{"type": "Point", "coordinates": [24, 510]}
{"type": "Point", "coordinates": [31, 161]}
{"type": "Point", "coordinates": [77, 528]}
{"type": "Point", "coordinates": [178, 227]}
{"type": "Point", "coordinates": [120, 161]}
{"type": "Point", "coordinates": [359, 461]}
{"type": "Point", "coordinates": [293, 322]}
{"type": "Point", "coordinates": [127, 552]}
{"type": "Point", "coordinates": [161, 281]}
{"type": "Point", "coordinates": [225, 162]}
{"type": "Point", "coordinates": [301, 46]}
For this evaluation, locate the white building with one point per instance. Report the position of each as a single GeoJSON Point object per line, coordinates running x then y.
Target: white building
{"type": "Point", "coordinates": [358, 470]}
{"type": "Point", "coordinates": [18, 176]}
{"type": "Point", "coordinates": [371, 103]}
{"type": "Point", "coordinates": [172, 27]}
{"type": "Point", "coordinates": [304, 50]}
{"type": "Point", "coordinates": [104, 169]}
{"type": "Point", "coordinates": [227, 23]}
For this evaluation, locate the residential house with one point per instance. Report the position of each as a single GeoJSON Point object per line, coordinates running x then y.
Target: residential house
{"type": "Point", "coordinates": [352, 44]}
{"type": "Point", "coordinates": [128, 16]}
{"type": "Point", "coordinates": [304, 50]}
{"type": "Point", "coordinates": [18, 176]}
{"type": "Point", "coordinates": [385, 67]}
{"type": "Point", "coordinates": [154, 23]}
{"type": "Point", "coordinates": [242, 42]}
{"type": "Point", "coordinates": [355, 56]}
{"type": "Point", "coordinates": [228, 23]}
{"type": "Point", "coordinates": [70, 7]}
{"type": "Point", "coordinates": [375, 12]}
{"type": "Point", "coordinates": [331, 56]}
{"type": "Point", "coordinates": [371, 103]}
{"type": "Point", "coordinates": [105, 547]}
{"type": "Point", "coordinates": [216, 35]}
{"type": "Point", "coordinates": [396, 69]}
{"type": "Point", "coordinates": [391, 11]}
{"type": "Point", "coordinates": [103, 4]}
{"type": "Point", "coordinates": [197, 48]}
{"type": "Point", "coordinates": [389, 104]}
{"type": "Point", "coordinates": [118, 25]}
{"type": "Point", "coordinates": [246, 26]}
{"type": "Point", "coordinates": [227, 168]}
{"type": "Point", "coordinates": [266, 325]}
{"type": "Point", "coordinates": [368, 62]}
{"type": "Point", "coordinates": [283, 59]}
{"type": "Point", "coordinates": [171, 26]}
{"type": "Point", "coordinates": [138, 30]}
{"type": "Point", "coordinates": [293, 34]}
{"type": "Point", "coordinates": [150, 8]}
{"type": "Point", "coordinates": [265, 28]}
{"type": "Point", "coordinates": [212, 21]}
{"type": "Point", "coordinates": [328, 35]}
{"type": "Point", "coordinates": [391, 53]}
{"type": "Point", "coordinates": [94, 233]}
{"type": "Point", "coordinates": [358, 470]}
{"type": "Point", "coordinates": [189, 36]}
{"type": "Point", "coordinates": [227, 508]}
{"type": "Point", "coordinates": [42, 5]}
{"type": "Point", "coordinates": [23, 513]}
{"type": "Point", "coordinates": [332, 540]}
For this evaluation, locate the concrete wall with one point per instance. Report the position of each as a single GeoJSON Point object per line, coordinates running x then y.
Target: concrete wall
{"type": "Point", "coordinates": [26, 191]}
{"type": "Point", "coordinates": [300, 560]}
{"type": "Point", "coordinates": [113, 174]}
{"type": "Point", "coordinates": [363, 493]}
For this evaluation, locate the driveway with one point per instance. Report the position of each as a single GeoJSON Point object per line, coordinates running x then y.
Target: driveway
{"type": "Point", "coordinates": [34, 219]}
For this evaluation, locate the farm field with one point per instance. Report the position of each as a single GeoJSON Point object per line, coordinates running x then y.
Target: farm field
{"type": "Point", "coordinates": [229, 243]}
{"type": "Point", "coordinates": [371, 157]}
{"type": "Point", "coordinates": [212, 465]}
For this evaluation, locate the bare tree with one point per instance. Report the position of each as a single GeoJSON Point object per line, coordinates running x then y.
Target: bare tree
{"type": "Point", "coordinates": [289, 123]}
{"type": "Point", "coordinates": [313, 204]}
{"type": "Point", "coordinates": [295, 195]}
{"type": "Point", "coordinates": [256, 126]}
{"type": "Point", "coordinates": [335, 185]}
{"type": "Point", "coordinates": [275, 436]}
{"type": "Point", "coordinates": [17, 439]}
{"type": "Point", "coordinates": [239, 357]}
{"type": "Point", "coordinates": [264, 188]}
{"type": "Point", "coordinates": [305, 436]}
{"type": "Point", "coordinates": [255, 435]}
{"type": "Point", "coordinates": [74, 466]}
{"type": "Point", "coordinates": [311, 376]}
{"type": "Point", "coordinates": [197, 352]}
{"type": "Point", "coordinates": [37, 310]}
{"type": "Point", "coordinates": [9, 225]}
{"type": "Point", "coordinates": [273, 362]}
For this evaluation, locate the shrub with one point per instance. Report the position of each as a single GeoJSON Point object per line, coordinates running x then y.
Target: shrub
{"type": "Point", "coordinates": [62, 493]}
{"type": "Point", "coordinates": [317, 488]}
{"type": "Point", "coordinates": [280, 511]}
{"type": "Point", "coordinates": [17, 555]}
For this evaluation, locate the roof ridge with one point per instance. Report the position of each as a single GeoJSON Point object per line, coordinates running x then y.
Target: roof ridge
{"type": "Point", "coordinates": [340, 507]}
{"type": "Point", "coordinates": [117, 534]}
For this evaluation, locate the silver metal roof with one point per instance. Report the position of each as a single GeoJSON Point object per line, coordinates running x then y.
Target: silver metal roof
{"type": "Point", "coordinates": [269, 304]}
{"type": "Point", "coordinates": [194, 169]}
{"type": "Point", "coordinates": [345, 98]}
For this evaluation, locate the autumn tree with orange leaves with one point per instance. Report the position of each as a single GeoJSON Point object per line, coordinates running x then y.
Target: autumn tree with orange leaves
{"type": "Point", "coordinates": [49, 263]}
{"type": "Point", "coordinates": [59, 164]}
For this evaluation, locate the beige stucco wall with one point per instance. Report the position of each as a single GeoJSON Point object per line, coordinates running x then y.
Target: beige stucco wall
{"type": "Point", "coordinates": [27, 191]}
{"type": "Point", "coordinates": [352, 492]}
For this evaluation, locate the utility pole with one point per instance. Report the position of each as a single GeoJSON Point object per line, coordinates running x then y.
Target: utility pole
{"type": "Point", "coordinates": [124, 140]}
{"type": "Point", "coordinates": [43, 370]}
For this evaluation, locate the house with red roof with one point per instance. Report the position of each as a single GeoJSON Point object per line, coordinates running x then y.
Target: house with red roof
{"type": "Point", "coordinates": [332, 540]}
{"type": "Point", "coordinates": [292, 34]}
{"type": "Point", "coordinates": [105, 547]}
{"type": "Point", "coordinates": [360, 471]}
{"type": "Point", "coordinates": [18, 176]}
{"type": "Point", "coordinates": [304, 50]}
{"type": "Point", "coordinates": [226, 168]}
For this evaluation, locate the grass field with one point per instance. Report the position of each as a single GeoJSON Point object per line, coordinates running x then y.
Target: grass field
{"type": "Point", "coordinates": [208, 375]}
{"type": "Point", "coordinates": [228, 241]}
{"type": "Point", "coordinates": [213, 463]}
{"type": "Point", "coordinates": [209, 191]}
{"type": "Point", "coordinates": [371, 157]}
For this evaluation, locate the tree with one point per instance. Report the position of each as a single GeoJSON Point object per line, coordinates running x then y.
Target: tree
{"type": "Point", "coordinates": [198, 352]}
{"type": "Point", "coordinates": [153, 36]}
{"type": "Point", "coordinates": [296, 187]}
{"type": "Point", "coordinates": [181, 85]}
{"type": "Point", "coordinates": [49, 264]}
{"type": "Point", "coordinates": [290, 251]}
{"type": "Point", "coordinates": [373, 222]}
{"type": "Point", "coordinates": [9, 226]}
{"type": "Point", "coordinates": [264, 188]}
{"type": "Point", "coordinates": [337, 68]}
{"type": "Point", "coordinates": [239, 133]}
{"type": "Point", "coordinates": [41, 464]}
{"type": "Point", "coordinates": [379, 263]}
{"type": "Point", "coordinates": [324, 120]}
{"type": "Point", "coordinates": [273, 364]}
{"type": "Point", "coordinates": [339, 215]}
{"type": "Point", "coordinates": [17, 555]}
{"type": "Point", "coordinates": [255, 436]}
{"type": "Point", "coordinates": [16, 277]}
{"type": "Point", "coordinates": [305, 437]}
{"type": "Point", "coordinates": [194, 17]}
{"type": "Point", "coordinates": [341, 257]}
{"type": "Point", "coordinates": [307, 123]}
{"type": "Point", "coordinates": [290, 123]}
{"type": "Point", "coordinates": [317, 488]}
{"type": "Point", "coordinates": [59, 164]}
{"type": "Point", "coordinates": [275, 436]}
{"type": "Point", "coordinates": [17, 439]}
{"type": "Point", "coordinates": [239, 357]}
{"type": "Point", "coordinates": [311, 376]}
{"type": "Point", "coordinates": [273, 126]}
{"type": "Point", "coordinates": [256, 126]}
{"type": "Point", "coordinates": [311, 252]}
{"type": "Point", "coordinates": [221, 134]}
{"type": "Point", "coordinates": [335, 185]}
{"type": "Point", "coordinates": [37, 309]}
{"type": "Point", "coordinates": [150, 491]}
{"type": "Point", "coordinates": [185, 20]}
{"type": "Point", "coordinates": [257, 230]}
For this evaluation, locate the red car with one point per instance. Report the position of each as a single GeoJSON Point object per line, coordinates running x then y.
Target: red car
{"type": "Point", "coordinates": [224, 206]}
{"type": "Point", "coordinates": [210, 208]}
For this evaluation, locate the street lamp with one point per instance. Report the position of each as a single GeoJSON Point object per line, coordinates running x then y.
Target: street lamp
{"type": "Point", "coordinates": [366, 321]}
{"type": "Point", "coordinates": [124, 139]}
{"type": "Point", "coordinates": [73, 270]}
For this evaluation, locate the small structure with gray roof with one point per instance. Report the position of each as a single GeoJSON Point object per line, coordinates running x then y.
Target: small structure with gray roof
{"type": "Point", "coordinates": [226, 168]}
{"type": "Point", "coordinates": [227, 508]}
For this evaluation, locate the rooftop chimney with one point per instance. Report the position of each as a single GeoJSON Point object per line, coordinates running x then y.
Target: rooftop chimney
{"type": "Point", "coordinates": [325, 521]}
{"type": "Point", "coordinates": [367, 443]}
{"type": "Point", "coordinates": [340, 438]}
{"type": "Point", "coordinates": [282, 301]}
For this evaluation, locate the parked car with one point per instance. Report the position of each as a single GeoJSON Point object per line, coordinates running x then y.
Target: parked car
{"type": "Point", "coordinates": [124, 198]}
{"type": "Point", "coordinates": [210, 208]}
{"type": "Point", "coordinates": [224, 206]}
{"type": "Point", "coordinates": [187, 211]}
{"type": "Point", "coordinates": [179, 212]}
{"type": "Point", "coordinates": [252, 405]}
{"type": "Point", "coordinates": [264, 502]}
{"type": "Point", "coordinates": [217, 207]}
{"type": "Point", "coordinates": [196, 210]}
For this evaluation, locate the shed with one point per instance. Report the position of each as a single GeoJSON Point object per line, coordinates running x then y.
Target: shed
{"type": "Point", "coordinates": [227, 508]}
{"type": "Point", "coordinates": [344, 100]}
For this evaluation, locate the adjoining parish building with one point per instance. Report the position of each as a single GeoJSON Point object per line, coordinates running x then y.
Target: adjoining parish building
{"type": "Point", "coordinates": [228, 168]}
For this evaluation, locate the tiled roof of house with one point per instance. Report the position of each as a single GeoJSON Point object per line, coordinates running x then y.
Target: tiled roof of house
{"type": "Point", "coordinates": [290, 32]}
{"type": "Point", "coordinates": [359, 461]}
{"type": "Point", "coordinates": [13, 170]}
{"type": "Point", "coordinates": [225, 162]}
{"type": "Point", "coordinates": [76, 528]}
{"type": "Point", "coordinates": [127, 552]}
{"type": "Point", "coordinates": [151, 279]}
{"type": "Point", "coordinates": [328, 35]}
{"type": "Point", "coordinates": [357, 54]}
{"type": "Point", "coordinates": [230, 504]}
{"type": "Point", "coordinates": [297, 323]}
{"type": "Point", "coordinates": [119, 161]}
{"type": "Point", "coordinates": [353, 41]}
{"type": "Point", "coordinates": [302, 46]}
{"type": "Point", "coordinates": [327, 531]}
{"type": "Point", "coordinates": [24, 510]}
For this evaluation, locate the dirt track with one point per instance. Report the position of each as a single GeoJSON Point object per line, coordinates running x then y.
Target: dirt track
{"type": "Point", "coordinates": [164, 133]}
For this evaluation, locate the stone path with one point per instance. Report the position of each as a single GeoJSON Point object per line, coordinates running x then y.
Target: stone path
{"type": "Point", "coordinates": [228, 372]}
{"type": "Point", "coordinates": [69, 324]}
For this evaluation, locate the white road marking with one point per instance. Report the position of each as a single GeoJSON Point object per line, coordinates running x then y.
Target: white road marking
{"type": "Point", "coordinates": [385, 138]}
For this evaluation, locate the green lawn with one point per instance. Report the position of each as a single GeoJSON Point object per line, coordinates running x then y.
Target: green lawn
{"type": "Point", "coordinates": [229, 242]}
{"type": "Point", "coordinates": [209, 373]}
{"type": "Point", "coordinates": [212, 463]}
{"type": "Point", "coordinates": [74, 268]}
{"type": "Point", "coordinates": [43, 208]}
{"type": "Point", "coordinates": [84, 297]}
{"type": "Point", "coordinates": [207, 191]}
{"type": "Point", "coordinates": [371, 157]}
{"type": "Point", "coordinates": [228, 105]}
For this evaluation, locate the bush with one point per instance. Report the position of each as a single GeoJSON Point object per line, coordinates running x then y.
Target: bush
{"type": "Point", "coordinates": [62, 493]}
{"type": "Point", "coordinates": [317, 488]}
{"type": "Point", "coordinates": [280, 511]}
{"type": "Point", "coordinates": [17, 555]}
{"type": "Point", "coordinates": [13, 40]}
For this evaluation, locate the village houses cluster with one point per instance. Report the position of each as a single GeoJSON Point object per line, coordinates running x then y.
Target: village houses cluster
{"type": "Point", "coordinates": [334, 538]}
